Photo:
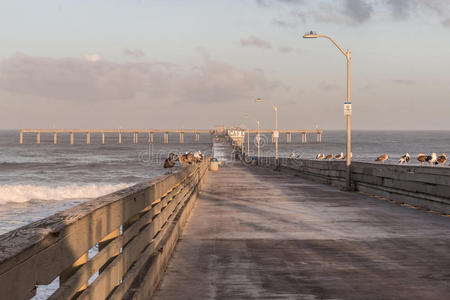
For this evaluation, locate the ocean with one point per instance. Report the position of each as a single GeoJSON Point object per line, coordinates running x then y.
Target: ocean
{"type": "Point", "coordinates": [38, 180]}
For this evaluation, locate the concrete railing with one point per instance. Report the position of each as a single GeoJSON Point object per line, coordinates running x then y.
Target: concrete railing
{"type": "Point", "coordinates": [423, 186]}
{"type": "Point", "coordinates": [134, 231]}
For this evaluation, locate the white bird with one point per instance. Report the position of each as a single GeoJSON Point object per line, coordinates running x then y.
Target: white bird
{"type": "Point", "coordinates": [320, 156]}
{"type": "Point", "coordinates": [421, 157]}
{"type": "Point", "coordinates": [431, 158]}
{"type": "Point", "coordinates": [382, 157]}
{"type": "Point", "coordinates": [340, 156]}
{"type": "Point", "coordinates": [441, 159]}
{"type": "Point", "coordinates": [404, 159]}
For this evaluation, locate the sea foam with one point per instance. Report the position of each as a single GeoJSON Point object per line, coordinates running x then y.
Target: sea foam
{"type": "Point", "coordinates": [25, 192]}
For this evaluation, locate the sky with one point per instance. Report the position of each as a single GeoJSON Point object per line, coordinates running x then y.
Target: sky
{"type": "Point", "coordinates": [197, 64]}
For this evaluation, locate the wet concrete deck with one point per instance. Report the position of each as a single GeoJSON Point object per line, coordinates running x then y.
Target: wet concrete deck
{"type": "Point", "coordinates": [260, 234]}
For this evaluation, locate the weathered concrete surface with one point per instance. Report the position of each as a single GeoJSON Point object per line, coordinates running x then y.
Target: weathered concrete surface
{"type": "Point", "coordinates": [257, 234]}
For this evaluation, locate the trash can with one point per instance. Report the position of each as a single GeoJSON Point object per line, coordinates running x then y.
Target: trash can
{"type": "Point", "coordinates": [214, 166]}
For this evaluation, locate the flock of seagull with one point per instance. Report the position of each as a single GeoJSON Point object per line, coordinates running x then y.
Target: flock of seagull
{"type": "Point", "coordinates": [432, 159]}
{"type": "Point", "coordinates": [322, 156]}
{"type": "Point", "coordinates": [185, 159]}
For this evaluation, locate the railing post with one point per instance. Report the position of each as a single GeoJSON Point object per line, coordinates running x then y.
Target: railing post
{"type": "Point", "coordinates": [55, 138]}
{"type": "Point", "coordinates": [71, 138]}
{"type": "Point", "coordinates": [38, 138]}
{"type": "Point", "coordinates": [88, 138]}
{"type": "Point", "coordinates": [21, 137]}
{"type": "Point", "coordinates": [103, 138]}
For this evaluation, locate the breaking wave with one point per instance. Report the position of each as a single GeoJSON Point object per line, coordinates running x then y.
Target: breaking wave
{"type": "Point", "coordinates": [26, 192]}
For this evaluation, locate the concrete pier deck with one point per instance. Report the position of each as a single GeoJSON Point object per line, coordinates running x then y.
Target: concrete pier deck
{"type": "Point", "coordinates": [260, 234]}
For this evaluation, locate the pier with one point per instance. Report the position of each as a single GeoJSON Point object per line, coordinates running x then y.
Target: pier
{"type": "Point", "coordinates": [117, 132]}
{"type": "Point", "coordinates": [149, 134]}
{"type": "Point", "coordinates": [251, 230]}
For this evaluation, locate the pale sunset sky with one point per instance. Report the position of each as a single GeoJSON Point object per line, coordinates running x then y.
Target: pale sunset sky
{"type": "Point", "coordinates": [195, 64]}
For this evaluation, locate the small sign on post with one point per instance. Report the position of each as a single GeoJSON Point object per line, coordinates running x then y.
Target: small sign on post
{"type": "Point", "coordinates": [276, 134]}
{"type": "Point", "coordinates": [347, 108]}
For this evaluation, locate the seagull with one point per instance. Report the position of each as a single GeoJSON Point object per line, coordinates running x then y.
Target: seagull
{"type": "Point", "coordinates": [431, 158]}
{"type": "Point", "coordinates": [382, 158]}
{"type": "Point", "coordinates": [404, 159]}
{"type": "Point", "coordinates": [169, 163]}
{"type": "Point", "coordinates": [421, 157]}
{"type": "Point", "coordinates": [329, 156]}
{"type": "Point", "coordinates": [340, 156]}
{"type": "Point", "coordinates": [351, 155]}
{"type": "Point", "coordinates": [441, 159]}
{"type": "Point", "coordinates": [320, 156]}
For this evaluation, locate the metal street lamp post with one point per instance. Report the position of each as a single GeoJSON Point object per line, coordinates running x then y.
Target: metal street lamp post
{"type": "Point", "coordinates": [258, 136]}
{"type": "Point", "coordinates": [347, 104]}
{"type": "Point", "coordinates": [276, 133]}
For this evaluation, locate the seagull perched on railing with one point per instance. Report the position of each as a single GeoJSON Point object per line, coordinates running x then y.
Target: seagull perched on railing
{"type": "Point", "coordinates": [382, 157]}
{"type": "Point", "coordinates": [421, 157]}
{"type": "Point", "coordinates": [404, 159]}
{"type": "Point", "coordinates": [169, 163]}
{"type": "Point", "coordinates": [340, 156]}
{"type": "Point", "coordinates": [431, 158]}
{"type": "Point", "coordinates": [441, 159]}
{"type": "Point", "coordinates": [320, 156]}
{"type": "Point", "coordinates": [329, 156]}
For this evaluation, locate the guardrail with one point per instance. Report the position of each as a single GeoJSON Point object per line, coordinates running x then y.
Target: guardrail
{"type": "Point", "coordinates": [134, 230]}
{"type": "Point", "coordinates": [423, 186]}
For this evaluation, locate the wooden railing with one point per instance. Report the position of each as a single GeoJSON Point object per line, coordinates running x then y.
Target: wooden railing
{"type": "Point", "coordinates": [134, 230]}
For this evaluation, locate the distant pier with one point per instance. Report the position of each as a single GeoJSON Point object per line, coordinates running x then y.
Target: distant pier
{"type": "Point", "coordinates": [288, 133]}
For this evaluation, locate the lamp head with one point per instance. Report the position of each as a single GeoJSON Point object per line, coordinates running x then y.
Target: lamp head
{"type": "Point", "coordinates": [310, 35]}
{"type": "Point", "coordinates": [259, 100]}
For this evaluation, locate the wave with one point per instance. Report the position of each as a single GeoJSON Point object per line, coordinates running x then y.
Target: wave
{"type": "Point", "coordinates": [27, 192]}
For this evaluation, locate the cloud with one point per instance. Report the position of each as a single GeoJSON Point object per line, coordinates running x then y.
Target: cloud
{"type": "Point", "coordinates": [254, 41]}
{"type": "Point", "coordinates": [92, 57]}
{"type": "Point", "coordinates": [80, 80]}
{"type": "Point", "coordinates": [136, 53]}
{"type": "Point", "coordinates": [351, 12]}
{"type": "Point", "coordinates": [358, 10]}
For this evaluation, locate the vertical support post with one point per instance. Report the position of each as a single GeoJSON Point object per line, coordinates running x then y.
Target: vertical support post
{"type": "Point", "coordinates": [136, 137]}
{"type": "Point", "coordinates": [55, 138]}
{"type": "Point", "coordinates": [181, 137]}
{"type": "Point", "coordinates": [166, 137]}
{"type": "Point", "coordinates": [21, 137]}
{"type": "Point", "coordinates": [303, 137]}
{"type": "Point", "coordinates": [150, 137]}
{"type": "Point", "coordinates": [288, 137]}
{"type": "Point", "coordinates": [71, 138]}
{"type": "Point", "coordinates": [120, 137]}
{"type": "Point", "coordinates": [38, 138]}
{"type": "Point", "coordinates": [64, 276]}
{"type": "Point", "coordinates": [88, 138]}
{"type": "Point", "coordinates": [103, 138]}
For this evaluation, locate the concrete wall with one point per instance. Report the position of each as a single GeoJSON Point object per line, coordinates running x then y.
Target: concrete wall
{"type": "Point", "coordinates": [423, 186]}
{"type": "Point", "coordinates": [136, 230]}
